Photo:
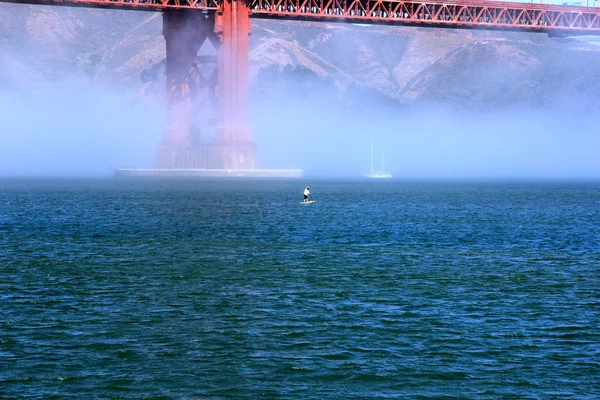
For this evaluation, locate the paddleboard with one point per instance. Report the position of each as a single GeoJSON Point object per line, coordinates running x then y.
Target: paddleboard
{"type": "Point", "coordinates": [308, 202]}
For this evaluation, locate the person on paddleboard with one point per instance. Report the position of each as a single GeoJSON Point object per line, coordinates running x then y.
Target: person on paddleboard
{"type": "Point", "coordinates": [306, 194]}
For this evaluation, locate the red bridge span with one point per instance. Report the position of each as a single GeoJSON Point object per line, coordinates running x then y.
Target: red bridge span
{"type": "Point", "coordinates": [226, 24]}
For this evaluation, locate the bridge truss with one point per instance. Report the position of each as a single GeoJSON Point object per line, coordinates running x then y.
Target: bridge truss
{"type": "Point", "coordinates": [453, 14]}
{"type": "Point", "coordinates": [435, 13]}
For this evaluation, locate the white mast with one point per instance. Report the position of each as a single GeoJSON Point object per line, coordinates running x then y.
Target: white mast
{"type": "Point", "coordinates": [371, 155]}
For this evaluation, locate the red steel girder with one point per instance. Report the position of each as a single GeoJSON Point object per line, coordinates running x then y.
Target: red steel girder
{"type": "Point", "coordinates": [435, 13]}
{"type": "Point", "coordinates": [141, 5]}
{"type": "Point", "coordinates": [448, 14]}
{"type": "Point", "coordinates": [233, 27]}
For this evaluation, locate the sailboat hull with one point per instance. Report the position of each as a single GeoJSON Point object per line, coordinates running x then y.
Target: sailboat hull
{"type": "Point", "coordinates": [378, 176]}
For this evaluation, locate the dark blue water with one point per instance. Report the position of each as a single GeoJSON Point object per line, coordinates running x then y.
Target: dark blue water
{"type": "Point", "coordinates": [133, 289]}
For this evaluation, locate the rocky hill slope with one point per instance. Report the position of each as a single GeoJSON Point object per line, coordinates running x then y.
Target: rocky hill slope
{"type": "Point", "coordinates": [394, 65]}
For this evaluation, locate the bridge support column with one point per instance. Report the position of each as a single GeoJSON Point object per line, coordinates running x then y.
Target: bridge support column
{"type": "Point", "coordinates": [190, 94]}
{"type": "Point", "coordinates": [233, 134]}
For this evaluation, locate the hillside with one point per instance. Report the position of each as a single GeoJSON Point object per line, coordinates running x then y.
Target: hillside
{"type": "Point", "coordinates": [397, 65]}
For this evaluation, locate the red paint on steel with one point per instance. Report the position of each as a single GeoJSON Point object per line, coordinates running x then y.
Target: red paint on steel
{"type": "Point", "coordinates": [434, 13]}
{"type": "Point", "coordinates": [233, 28]}
{"type": "Point", "coordinates": [454, 14]}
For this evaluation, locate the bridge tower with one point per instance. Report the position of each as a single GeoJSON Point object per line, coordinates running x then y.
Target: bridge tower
{"type": "Point", "coordinates": [211, 105]}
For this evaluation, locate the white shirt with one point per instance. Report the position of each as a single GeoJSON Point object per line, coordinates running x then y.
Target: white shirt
{"type": "Point", "coordinates": [306, 192]}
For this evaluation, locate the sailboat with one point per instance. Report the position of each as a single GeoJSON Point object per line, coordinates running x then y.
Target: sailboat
{"type": "Point", "coordinates": [377, 174]}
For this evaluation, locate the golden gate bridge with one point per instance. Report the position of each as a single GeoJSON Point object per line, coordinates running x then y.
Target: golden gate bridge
{"type": "Point", "coordinates": [226, 24]}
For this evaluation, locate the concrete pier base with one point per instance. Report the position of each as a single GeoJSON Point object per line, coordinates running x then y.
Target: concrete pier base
{"type": "Point", "coordinates": [208, 173]}
{"type": "Point", "coordinates": [207, 157]}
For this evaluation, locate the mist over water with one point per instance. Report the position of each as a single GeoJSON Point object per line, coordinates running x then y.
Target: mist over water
{"type": "Point", "coordinates": [75, 127]}
{"type": "Point", "coordinates": [435, 143]}
{"type": "Point", "coordinates": [85, 130]}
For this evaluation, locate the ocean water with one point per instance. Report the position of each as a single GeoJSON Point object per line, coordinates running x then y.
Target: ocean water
{"type": "Point", "coordinates": [222, 290]}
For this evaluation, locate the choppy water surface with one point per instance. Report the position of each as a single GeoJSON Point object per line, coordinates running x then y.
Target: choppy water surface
{"type": "Point", "coordinates": [216, 290]}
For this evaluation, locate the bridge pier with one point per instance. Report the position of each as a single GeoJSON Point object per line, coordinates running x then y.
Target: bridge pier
{"type": "Point", "coordinates": [201, 105]}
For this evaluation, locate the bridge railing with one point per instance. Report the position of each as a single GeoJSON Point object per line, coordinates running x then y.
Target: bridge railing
{"type": "Point", "coordinates": [537, 15]}
{"type": "Point", "coordinates": [501, 15]}
{"type": "Point", "coordinates": [150, 5]}
{"type": "Point", "coordinates": [578, 3]}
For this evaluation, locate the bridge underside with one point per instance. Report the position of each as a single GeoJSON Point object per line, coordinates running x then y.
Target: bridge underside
{"type": "Point", "coordinates": [207, 95]}
{"type": "Point", "coordinates": [529, 16]}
